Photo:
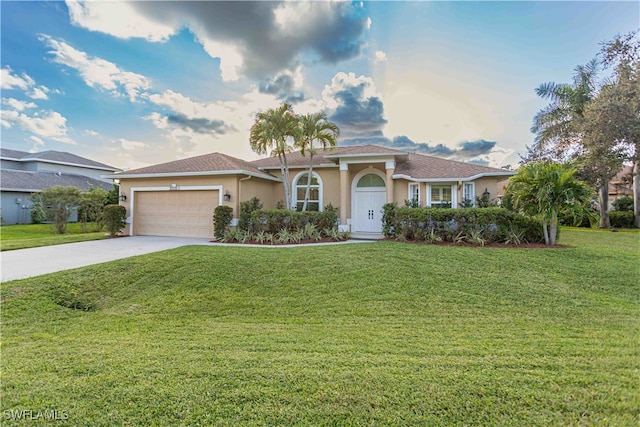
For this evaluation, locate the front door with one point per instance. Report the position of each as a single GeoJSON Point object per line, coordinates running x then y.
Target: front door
{"type": "Point", "coordinates": [368, 211]}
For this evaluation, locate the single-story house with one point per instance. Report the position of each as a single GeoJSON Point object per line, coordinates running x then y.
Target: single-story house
{"type": "Point", "coordinates": [25, 173]}
{"type": "Point", "coordinates": [178, 198]}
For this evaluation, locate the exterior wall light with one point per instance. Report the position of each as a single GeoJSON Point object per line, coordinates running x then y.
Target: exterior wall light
{"type": "Point", "coordinates": [227, 196]}
{"type": "Point", "coordinates": [486, 193]}
{"type": "Point", "coordinates": [123, 197]}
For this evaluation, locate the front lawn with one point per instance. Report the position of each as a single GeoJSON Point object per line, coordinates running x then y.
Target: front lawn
{"type": "Point", "coordinates": [21, 236]}
{"type": "Point", "coordinates": [366, 334]}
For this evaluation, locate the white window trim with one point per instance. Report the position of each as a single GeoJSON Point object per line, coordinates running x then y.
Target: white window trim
{"type": "Point", "coordinates": [473, 192]}
{"type": "Point", "coordinates": [410, 193]}
{"type": "Point", "coordinates": [454, 194]}
{"type": "Point", "coordinates": [295, 193]}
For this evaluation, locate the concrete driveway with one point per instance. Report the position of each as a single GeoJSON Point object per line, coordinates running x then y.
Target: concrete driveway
{"type": "Point", "coordinates": [23, 263]}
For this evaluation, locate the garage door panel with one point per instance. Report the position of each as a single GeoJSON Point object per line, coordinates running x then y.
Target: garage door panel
{"type": "Point", "coordinates": [175, 213]}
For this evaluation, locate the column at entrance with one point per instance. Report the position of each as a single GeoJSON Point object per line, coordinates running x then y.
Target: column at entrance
{"type": "Point", "coordinates": [390, 167]}
{"type": "Point", "coordinates": [344, 194]}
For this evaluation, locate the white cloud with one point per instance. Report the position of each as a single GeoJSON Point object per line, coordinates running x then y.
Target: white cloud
{"type": "Point", "coordinates": [39, 93]}
{"type": "Point", "coordinates": [97, 71]}
{"type": "Point", "coordinates": [38, 143]}
{"type": "Point", "coordinates": [119, 19]}
{"type": "Point", "coordinates": [379, 56]}
{"type": "Point", "coordinates": [131, 145]}
{"type": "Point", "coordinates": [13, 81]}
{"type": "Point", "coordinates": [230, 57]}
{"type": "Point", "coordinates": [49, 124]}
{"type": "Point", "coordinates": [91, 132]}
{"type": "Point", "coordinates": [18, 105]}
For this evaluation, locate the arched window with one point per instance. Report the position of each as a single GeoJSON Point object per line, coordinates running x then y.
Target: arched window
{"type": "Point", "coordinates": [370, 180]}
{"type": "Point", "coordinates": [300, 189]}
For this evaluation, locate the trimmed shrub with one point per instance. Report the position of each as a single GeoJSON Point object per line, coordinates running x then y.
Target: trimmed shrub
{"type": "Point", "coordinates": [222, 216]}
{"type": "Point", "coordinates": [246, 208]}
{"type": "Point", "coordinates": [621, 219]}
{"type": "Point", "coordinates": [276, 220]}
{"type": "Point", "coordinates": [459, 225]}
{"type": "Point", "coordinates": [623, 204]}
{"type": "Point", "coordinates": [115, 217]}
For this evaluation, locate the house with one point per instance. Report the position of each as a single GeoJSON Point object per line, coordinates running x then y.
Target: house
{"type": "Point", "coordinates": [25, 173]}
{"type": "Point", "coordinates": [621, 185]}
{"type": "Point", "coordinates": [178, 198]}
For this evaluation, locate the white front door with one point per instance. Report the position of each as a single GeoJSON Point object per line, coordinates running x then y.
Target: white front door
{"type": "Point", "coordinates": [368, 210]}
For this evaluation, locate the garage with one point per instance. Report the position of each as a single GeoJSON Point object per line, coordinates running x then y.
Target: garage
{"type": "Point", "coordinates": [183, 213]}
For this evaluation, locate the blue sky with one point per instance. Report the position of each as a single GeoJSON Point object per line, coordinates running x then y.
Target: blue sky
{"type": "Point", "coordinates": [137, 83]}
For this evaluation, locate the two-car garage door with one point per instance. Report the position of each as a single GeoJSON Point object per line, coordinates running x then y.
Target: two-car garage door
{"type": "Point", "coordinates": [175, 213]}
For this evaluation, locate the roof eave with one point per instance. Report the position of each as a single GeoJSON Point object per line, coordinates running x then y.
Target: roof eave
{"type": "Point", "coordinates": [184, 174]}
{"type": "Point", "coordinates": [463, 179]}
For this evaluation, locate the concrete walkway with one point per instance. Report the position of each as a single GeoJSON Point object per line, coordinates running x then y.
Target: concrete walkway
{"type": "Point", "coordinates": [23, 263]}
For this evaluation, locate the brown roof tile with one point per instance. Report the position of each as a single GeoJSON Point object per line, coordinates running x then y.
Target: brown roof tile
{"type": "Point", "coordinates": [213, 162]}
{"type": "Point", "coordinates": [420, 166]}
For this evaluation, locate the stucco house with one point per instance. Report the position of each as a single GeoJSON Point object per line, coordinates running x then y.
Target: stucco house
{"type": "Point", "coordinates": [25, 173]}
{"type": "Point", "coordinates": [178, 198]}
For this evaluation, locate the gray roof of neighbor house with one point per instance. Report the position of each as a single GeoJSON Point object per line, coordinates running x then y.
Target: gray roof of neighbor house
{"type": "Point", "coordinates": [207, 164]}
{"type": "Point", "coordinates": [408, 165]}
{"type": "Point", "coordinates": [28, 182]}
{"type": "Point", "coordinates": [58, 157]}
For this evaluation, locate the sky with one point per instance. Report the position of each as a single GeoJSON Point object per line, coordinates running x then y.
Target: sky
{"type": "Point", "coordinates": [135, 83]}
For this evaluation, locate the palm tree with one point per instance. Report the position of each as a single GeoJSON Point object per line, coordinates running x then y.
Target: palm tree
{"type": "Point", "coordinates": [558, 124]}
{"type": "Point", "coordinates": [542, 189]}
{"type": "Point", "coordinates": [272, 131]}
{"type": "Point", "coordinates": [314, 128]}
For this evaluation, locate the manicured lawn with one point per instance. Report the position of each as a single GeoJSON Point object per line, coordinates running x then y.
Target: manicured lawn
{"type": "Point", "coordinates": [366, 334]}
{"type": "Point", "coordinates": [33, 235]}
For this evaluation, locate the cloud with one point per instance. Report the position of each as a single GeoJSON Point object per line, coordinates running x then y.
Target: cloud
{"type": "Point", "coordinates": [37, 144]}
{"type": "Point", "coordinates": [379, 56]}
{"type": "Point", "coordinates": [131, 145]}
{"type": "Point", "coordinates": [285, 86]}
{"type": "Point", "coordinates": [91, 132]}
{"type": "Point", "coordinates": [18, 105]}
{"type": "Point", "coordinates": [97, 72]}
{"type": "Point", "coordinates": [39, 93]}
{"type": "Point", "coordinates": [13, 81]}
{"type": "Point", "coordinates": [354, 105]}
{"type": "Point", "coordinates": [198, 125]}
{"type": "Point", "coordinates": [254, 39]}
{"type": "Point", "coordinates": [49, 124]}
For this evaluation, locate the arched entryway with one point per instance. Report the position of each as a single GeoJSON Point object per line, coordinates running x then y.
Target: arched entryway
{"type": "Point", "coordinates": [368, 195]}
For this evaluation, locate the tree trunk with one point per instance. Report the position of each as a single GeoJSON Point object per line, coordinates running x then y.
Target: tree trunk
{"type": "Point", "coordinates": [553, 229]}
{"type": "Point", "coordinates": [546, 233]}
{"type": "Point", "coordinates": [285, 181]}
{"type": "Point", "coordinates": [307, 193]}
{"type": "Point", "coordinates": [603, 193]}
{"type": "Point", "coordinates": [636, 194]}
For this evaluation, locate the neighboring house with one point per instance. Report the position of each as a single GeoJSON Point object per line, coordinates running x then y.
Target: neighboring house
{"type": "Point", "coordinates": [621, 184]}
{"type": "Point", "coordinates": [178, 198]}
{"type": "Point", "coordinates": [25, 173]}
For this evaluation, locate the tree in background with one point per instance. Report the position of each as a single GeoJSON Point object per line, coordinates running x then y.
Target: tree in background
{"type": "Point", "coordinates": [58, 203]}
{"type": "Point", "coordinates": [271, 132]}
{"type": "Point", "coordinates": [620, 103]}
{"type": "Point", "coordinates": [92, 203]}
{"type": "Point", "coordinates": [315, 128]}
{"type": "Point", "coordinates": [543, 189]}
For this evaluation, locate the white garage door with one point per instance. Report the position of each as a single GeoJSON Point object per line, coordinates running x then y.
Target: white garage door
{"type": "Point", "coordinates": [175, 213]}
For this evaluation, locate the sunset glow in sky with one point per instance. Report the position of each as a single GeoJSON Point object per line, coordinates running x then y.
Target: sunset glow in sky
{"type": "Point", "coordinates": [137, 83]}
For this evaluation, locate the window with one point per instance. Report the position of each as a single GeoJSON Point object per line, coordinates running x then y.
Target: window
{"type": "Point", "coordinates": [414, 194]}
{"type": "Point", "coordinates": [468, 195]}
{"type": "Point", "coordinates": [370, 180]}
{"type": "Point", "coordinates": [300, 189]}
{"type": "Point", "coordinates": [441, 196]}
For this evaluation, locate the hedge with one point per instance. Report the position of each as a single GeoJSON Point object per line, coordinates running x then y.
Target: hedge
{"type": "Point", "coordinates": [475, 225]}
{"type": "Point", "coordinates": [621, 219]}
{"type": "Point", "coordinates": [275, 220]}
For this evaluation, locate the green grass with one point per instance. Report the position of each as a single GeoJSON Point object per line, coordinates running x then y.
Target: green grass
{"type": "Point", "coordinates": [369, 334]}
{"type": "Point", "coordinates": [24, 236]}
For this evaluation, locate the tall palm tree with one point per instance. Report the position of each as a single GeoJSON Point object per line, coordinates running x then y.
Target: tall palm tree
{"type": "Point", "coordinates": [558, 124]}
{"type": "Point", "coordinates": [542, 189]}
{"type": "Point", "coordinates": [272, 131]}
{"type": "Point", "coordinates": [315, 128]}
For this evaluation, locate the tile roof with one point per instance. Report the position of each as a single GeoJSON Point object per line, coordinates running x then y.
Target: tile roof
{"type": "Point", "coordinates": [214, 162]}
{"type": "Point", "coordinates": [27, 181]}
{"type": "Point", "coordinates": [54, 157]}
{"type": "Point", "coordinates": [420, 166]}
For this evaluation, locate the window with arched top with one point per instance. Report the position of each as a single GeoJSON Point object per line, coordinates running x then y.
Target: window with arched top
{"type": "Point", "coordinates": [370, 180]}
{"type": "Point", "coordinates": [300, 189]}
